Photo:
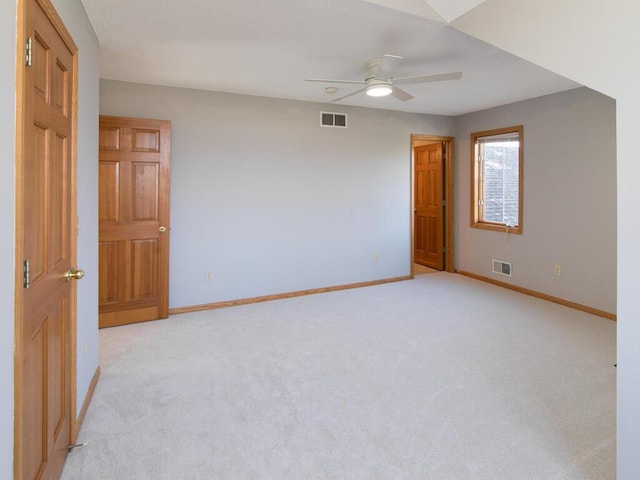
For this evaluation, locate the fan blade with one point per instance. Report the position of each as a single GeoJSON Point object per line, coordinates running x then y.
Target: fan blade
{"type": "Point", "coordinates": [348, 95]}
{"type": "Point", "coordinates": [401, 94]}
{"type": "Point", "coordinates": [439, 77]}
{"type": "Point", "coordinates": [388, 63]}
{"type": "Point", "coordinates": [325, 80]}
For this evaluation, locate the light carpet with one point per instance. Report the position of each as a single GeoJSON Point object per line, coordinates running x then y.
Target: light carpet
{"type": "Point", "coordinates": [440, 377]}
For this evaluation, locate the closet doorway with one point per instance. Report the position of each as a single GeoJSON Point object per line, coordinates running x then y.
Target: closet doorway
{"type": "Point", "coordinates": [432, 212]}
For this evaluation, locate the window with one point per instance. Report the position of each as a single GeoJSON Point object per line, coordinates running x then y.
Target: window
{"type": "Point", "coordinates": [496, 181]}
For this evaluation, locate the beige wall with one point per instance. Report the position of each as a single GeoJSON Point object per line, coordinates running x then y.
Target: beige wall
{"type": "Point", "coordinates": [596, 43]}
{"type": "Point", "coordinates": [569, 204]}
{"type": "Point", "coordinates": [270, 201]}
{"type": "Point", "coordinates": [569, 193]}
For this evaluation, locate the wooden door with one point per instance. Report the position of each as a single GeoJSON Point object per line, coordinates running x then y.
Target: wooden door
{"type": "Point", "coordinates": [134, 220]}
{"type": "Point", "coordinates": [45, 243]}
{"type": "Point", "coordinates": [428, 206]}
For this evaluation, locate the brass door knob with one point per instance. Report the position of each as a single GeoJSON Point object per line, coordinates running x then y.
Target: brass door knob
{"type": "Point", "coordinates": [73, 273]}
{"type": "Point", "coordinates": [162, 229]}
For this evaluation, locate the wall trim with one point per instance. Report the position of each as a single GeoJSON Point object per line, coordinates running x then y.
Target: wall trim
{"type": "Point", "coordinates": [280, 296]}
{"type": "Point", "coordinates": [543, 296]}
{"type": "Point", "coordinates": [77, 424]}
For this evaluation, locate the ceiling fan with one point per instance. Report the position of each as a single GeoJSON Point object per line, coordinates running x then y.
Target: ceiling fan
{"type": "Point", "coordinates": [380, 81]}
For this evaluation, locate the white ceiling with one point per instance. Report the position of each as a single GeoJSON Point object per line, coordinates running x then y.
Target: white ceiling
{"type": "Point", "coordinates": [268, 48]}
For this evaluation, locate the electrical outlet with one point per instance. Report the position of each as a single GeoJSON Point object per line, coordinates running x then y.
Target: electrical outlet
{"type": "Point", "coordinates": [376, 257]}
{"type": "Point", "coordinates": [208, 275]}
{"type": "Point", "coordinates": [556, 270]}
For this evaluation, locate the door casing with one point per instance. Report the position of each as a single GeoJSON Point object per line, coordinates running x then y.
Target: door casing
{"type": "Point", "coordinates": [449, 209]}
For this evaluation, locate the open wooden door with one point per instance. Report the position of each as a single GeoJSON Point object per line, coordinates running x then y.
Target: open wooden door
{"type": "Point", "coordinates": [45, 242]}
{"type": "Point", "coordinates": [428, 206]}
{"type": "Point", "coordinates": [134, 220]}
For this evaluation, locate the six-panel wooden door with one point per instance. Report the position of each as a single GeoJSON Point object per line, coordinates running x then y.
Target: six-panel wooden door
{"type": "Point", "coordinates": [134, 220]}
{"type": "Point", "coordinates": [45, 243]}
{"type": "Point", "coordinates": [428, 208]}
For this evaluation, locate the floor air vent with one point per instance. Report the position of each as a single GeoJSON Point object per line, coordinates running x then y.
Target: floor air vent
{"type": "Point", "coordinates": [501, 268]}
{"type": "Point", "coordinates": [336, 120]}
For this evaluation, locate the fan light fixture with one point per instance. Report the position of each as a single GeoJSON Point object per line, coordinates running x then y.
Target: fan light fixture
{"type": "Point", "coordinates": [381, 82]}
{"type": "Point", "coordinates": [379, 90]}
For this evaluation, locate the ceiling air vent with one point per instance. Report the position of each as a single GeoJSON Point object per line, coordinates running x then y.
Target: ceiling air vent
{"type": "Point", "coordinates": [330, 119]}
{"type": "Point", "coordinates": [501, 268]}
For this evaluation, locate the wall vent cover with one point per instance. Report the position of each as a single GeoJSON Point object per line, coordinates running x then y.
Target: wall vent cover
{"type": "Point", "coordinates": [331, 119]}
{"type": "Point", "coordinates": [501, 267]}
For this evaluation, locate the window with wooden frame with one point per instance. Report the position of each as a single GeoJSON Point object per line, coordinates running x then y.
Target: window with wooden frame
{"type": "Point", "coordinates": [496, 179]}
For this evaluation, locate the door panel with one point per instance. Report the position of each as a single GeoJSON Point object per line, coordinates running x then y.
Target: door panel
{"type": "Point", "coordinates": [34, 202]}
{"type": "Point", "coordinates": [145, 193]}
{"type": "Point", "coordinates": [108, 271]}
{"type": "Point", "coordinates": [145, 140]}
{"type": "Point", "coordinates": [133, 206]}
{"type": "Point", "coordinates": [40, 69]}
{"type": "Point", "coordinates": [56, 325]}
{"type": "Point", "coordinates": [45, 224]}
{"type": "Point", "coordinates": [109, 138]}
{"type": "Point", "coordinates": [59, 200]}
{"type": "Point", "coordinates": [144, 261]}
{"type": "Point", "coordinates": [109, 207]}
{"type": "Point", "coordinates": [32, 435]}
{"type": "Point", "coordinates": [60, 88]}
{"type": "Point", "coordinates": [428, 209]}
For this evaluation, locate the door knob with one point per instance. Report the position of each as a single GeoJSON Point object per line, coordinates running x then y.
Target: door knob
{"type": "Point", "coordinates": [73, 273]}
{"type": "Point", "coordinates": [162, 229]}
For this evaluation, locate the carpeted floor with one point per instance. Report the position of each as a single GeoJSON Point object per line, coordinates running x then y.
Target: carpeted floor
{"type": "Point", "coordinates": [441, 377]}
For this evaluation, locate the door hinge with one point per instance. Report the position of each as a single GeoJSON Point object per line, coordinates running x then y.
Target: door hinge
{"type": "Point", "coordinates": [444, 203]}
{"type": "Point", "coordinates": [29, 52]}
{"type": "Point", "coordinates": [26, 274]}
{"type": "Point", "coordinates": [444, 249]}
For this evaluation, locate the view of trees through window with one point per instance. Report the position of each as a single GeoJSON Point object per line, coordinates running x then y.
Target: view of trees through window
{"type": "Point", "coordinates": [501, 172]}
{"type": "Point", "coordinates": [497, 179]}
